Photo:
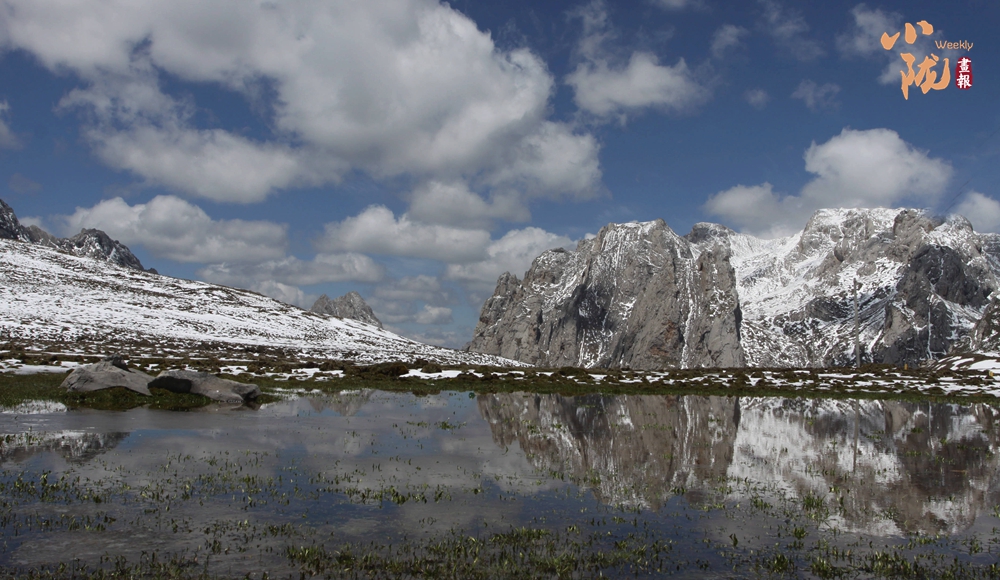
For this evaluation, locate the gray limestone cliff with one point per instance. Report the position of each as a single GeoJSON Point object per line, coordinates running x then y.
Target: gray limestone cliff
{"type": "Point", "coordinates": [89, 243]}
{"type": "Point", "coordinates": [636, 296]}
{"type": "Point", "coordinates": [640, 296]}
{"type": "Point", "coordinates": [350, 305]}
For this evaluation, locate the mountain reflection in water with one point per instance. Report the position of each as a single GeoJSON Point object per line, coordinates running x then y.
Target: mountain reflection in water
{"type": "Point", "coordinates": [889, 466]}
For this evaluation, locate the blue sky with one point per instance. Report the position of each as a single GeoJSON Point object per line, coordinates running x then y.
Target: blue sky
{"type": "Point", "coordinates": [414, 150]}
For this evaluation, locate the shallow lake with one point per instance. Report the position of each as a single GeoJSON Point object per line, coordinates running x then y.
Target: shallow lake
{"type": "Point", "coordinates": [464, 484]}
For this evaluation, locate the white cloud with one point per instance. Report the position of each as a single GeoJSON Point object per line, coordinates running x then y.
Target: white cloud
{"type": "Point", "coordinates": [8, 140]}
{"type": "Point", "coordinates": [410, 87]}
{"type": "Point", "coordinates": [284, 293]}
{"type": "Point", "coordinates": [817, 97]}
{"type": "Point", "coordinates": [422, 288]}
{"type": "Point", "coordinates": [376, 230]}
{"type": "Point", "coordinates": [293, 271]}
{"type": "Point", "coordinates": [413, 299]}
{"type": "Point", "coordinates": [172, 228]}
{"type": "Point", "coordinates": [434, 315]}
{"type": "Point", "coordinates": [982, 211]}
{"type": "Point", "coordinates": [758, 98]}
{"type": "Point", "coordinates": [873, 168]}
{"type": "Point", "coordinates": [789, 31]}
{"type": "Point", "coordinates": [30, 220]}
{"type": "Point", "coordinates": [513, 253]}
{"type": "Point", "coordinates": [605, 88]}
{"type": "Point", "coordinates": [862, 39]}
{"type": "Point", "coordinates": [726, 37]}
{"type": "Point", "coordinates": [452, 203]}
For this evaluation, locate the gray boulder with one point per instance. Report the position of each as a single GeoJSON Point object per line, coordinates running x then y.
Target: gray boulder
{"type": "Point", "coordinates": [211, 386]}
{"type": "Point", "coordinates": [109, 373]}
{"type": "Point", "coordinates": [350, 305]}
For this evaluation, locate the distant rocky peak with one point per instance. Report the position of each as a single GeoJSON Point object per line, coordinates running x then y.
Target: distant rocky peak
{"type": "Point", "coordinates": [350, 305]}
{"type": "Point", "coordinates": [89, 243]}
{"type": "Point", "coordinates": [705, 232]}
{"type": "Point", "coordinates": [10, 227]}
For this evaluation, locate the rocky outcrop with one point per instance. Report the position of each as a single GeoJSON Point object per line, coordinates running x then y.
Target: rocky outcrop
{"type": "Point", "coordinates": [10, 227]}
{"type": "Point", "coordinates": [109, 373]}
{"type": "Point", "coordinates": [350, 305]}
{"type": "Point", "coordinates": [922, 284]}
{"type": "Point", "coordinates": [985, 335]}
{"type": "Point", "coordinates": [637, 296]}
{"type": "Point", "coordinates": [89, 243]}
{"type": "Point", "coordinates": [205, 384]}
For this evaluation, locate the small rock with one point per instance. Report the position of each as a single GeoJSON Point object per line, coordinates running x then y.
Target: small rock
{"type": "Point", "coordinates": [205, 384]}
{"type": "Point", "coordinates": [110, 372]}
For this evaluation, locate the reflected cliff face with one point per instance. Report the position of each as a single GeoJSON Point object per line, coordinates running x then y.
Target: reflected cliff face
{"type": "Point", "coordinates": [880, 467]}
{"type": "Point", "coordinates": [633, 450]}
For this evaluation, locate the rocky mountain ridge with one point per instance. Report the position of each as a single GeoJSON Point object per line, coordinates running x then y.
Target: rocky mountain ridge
{"type": "Point", "coordinates": [350, 305]}
{"type": "Point", "coordinates": [89, 243]}
{"type": "Point", "coordinates": [638, 295]}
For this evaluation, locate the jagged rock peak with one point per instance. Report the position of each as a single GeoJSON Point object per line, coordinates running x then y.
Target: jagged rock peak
{"type": "Point", "coordinates": [637, 295]}
{"type": "Point", "coordinates": [89, 243]}
{"type": "Point", "coordinates": [10, 227]}
{"type": "Point", "coordinates": [350, 305]}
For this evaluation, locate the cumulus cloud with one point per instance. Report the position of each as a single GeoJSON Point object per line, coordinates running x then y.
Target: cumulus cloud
{"type": "Point", "coordinates": [873, 168]}
{"type": "Point", "coordinates": [789, 31]}
{"type": "Point", "coordinates": [452, 203]}
{"type": "Point", "coordinates": [726, 37]}
{"type": "Point", "coordinates": [513, 253]}
{"type": "Point", "coordinates": [295, 272]}
{"type": "Point", "coordinates": [433, 315]}
{"type": "Point", "coordinates": [404, 88]}
{"type": "Point", "coordinates": [758, 98]}
{"type": "Point", "coordinates": [862, 37]}
{"type": "Point", "coordinates": [8, 140]}
{"type": "Point", "coordinates": [172, 228]}
{"type": "Point", "coordinates": [377, 231]}
{"type": "Point", "coordinates": [817, 97]}
{"type": "Point", "coordinates": [983, 211]}
{"type": "Point", "coordinates": [606, 87]}
{"type": "Point", "coordinates": [419, 299]}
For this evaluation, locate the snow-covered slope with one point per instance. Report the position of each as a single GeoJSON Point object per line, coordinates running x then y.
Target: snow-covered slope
{"type": "Point", "coordinates": [922, 285]}
{"type": "Point", "coordinates": [60, 301]}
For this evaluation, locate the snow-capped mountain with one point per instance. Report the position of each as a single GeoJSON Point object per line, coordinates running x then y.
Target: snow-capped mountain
{"type": "Point", "coordinates": [639, 295]}
{"type": "Point", "coordinates": [922, 286]}
{"type": "Point", "coordinates": [88, 243]}
{"type": "Point", "coordinates": [98, 301]}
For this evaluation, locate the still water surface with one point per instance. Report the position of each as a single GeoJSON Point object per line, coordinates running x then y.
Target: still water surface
{"type": "Point", "coordinates": [691, 485]}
